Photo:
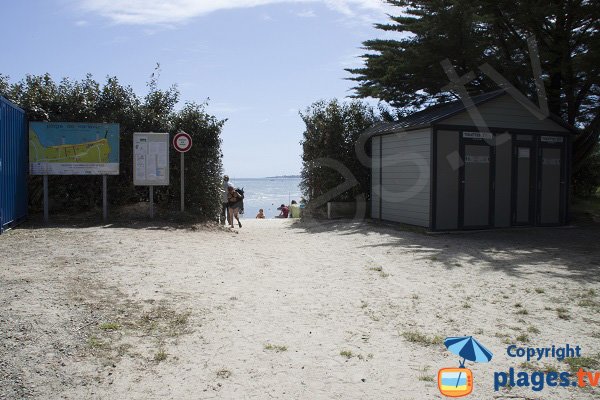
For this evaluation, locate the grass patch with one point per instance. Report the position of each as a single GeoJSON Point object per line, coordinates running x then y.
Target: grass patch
{"type": "Point", "coordinates": [588, 303]}
{"type": "Point", "coordinates": [163, 321]}
{"type": "Point", "coordinates": [110, 326]}
{"type": "Point", "coordinates": [528, 365]}
{"type": "Point", "coordinates": [539, 290]}
{"type": "Point", "coordinates": [275, 347]}
{"type": "Point", "coordinates": [424, 375]}
{"type": "Point", "coordinates": [587, 293]}
{"type": "Point", "coordinates": [549, 368]}
{"type": "Point", "coordinates": [223, 373]}
{"type": "Point", "coordinates": [347, 354]}
{"type": "Point", "coordinates": [95, 343]}
{"type": "Point", "coordinates": [418, 337]}
{"type": "Point", "coordinates": [515, 328]}
{"type": "Point", "coordinates": [563, 313]}
{"type": "Point", "coordinates": [523, 338]}
{"type": "Point", "coordinates": [522, 311]}
{"type": "Point", "coordinates": [160, 355]}
{"type": "Point", "coordinates": [533, 329]}
{"type": "Point", "coordinates": [587, 363]}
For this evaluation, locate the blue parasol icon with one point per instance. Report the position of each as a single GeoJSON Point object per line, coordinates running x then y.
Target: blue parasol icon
{"type": "Point", "coordinates": [469, 349]}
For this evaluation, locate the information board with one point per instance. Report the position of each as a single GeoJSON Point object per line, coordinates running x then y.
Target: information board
{"type": "Point", "coordinates": [73, 148]}
{"type": "Point", "coordinates": [150, 159]}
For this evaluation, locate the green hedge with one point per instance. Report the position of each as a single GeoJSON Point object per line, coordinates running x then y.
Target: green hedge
{"type": "Point", "coordinates": [43, 99]}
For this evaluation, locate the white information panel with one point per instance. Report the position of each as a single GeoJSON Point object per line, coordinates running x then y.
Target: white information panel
{"type": "Point", "coordinates": [151, 159]}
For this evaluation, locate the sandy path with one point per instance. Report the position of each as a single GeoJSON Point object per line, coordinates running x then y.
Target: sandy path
{"type": "Point", "coordinates": [266, 312]}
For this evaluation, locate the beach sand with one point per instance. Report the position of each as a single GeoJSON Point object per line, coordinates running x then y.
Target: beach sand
{"type": "Point", "coordinates": [285, 310]}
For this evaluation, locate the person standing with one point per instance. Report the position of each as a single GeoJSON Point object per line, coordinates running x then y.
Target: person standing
{"type": "Point", "coordinates": [224, 200]}
{"type": "Point", "coordinates": [234, 204]}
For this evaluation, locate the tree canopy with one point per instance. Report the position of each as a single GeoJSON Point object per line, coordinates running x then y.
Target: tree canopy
{"type": "Point", "coordinates": [405, 70]}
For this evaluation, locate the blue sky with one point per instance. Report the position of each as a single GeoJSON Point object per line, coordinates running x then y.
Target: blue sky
{"type": "Point", "coordinates": [259, 61]}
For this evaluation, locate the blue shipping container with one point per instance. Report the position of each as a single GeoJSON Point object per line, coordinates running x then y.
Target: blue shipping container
{"type": "Point", "coordinates": [13, 164]}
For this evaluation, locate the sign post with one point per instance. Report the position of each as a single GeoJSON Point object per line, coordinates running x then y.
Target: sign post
{"type": "Point", "coordinates": [151, 162]}
{"type": "Point", "coordinates": [46, 199]}
{"type": "Point", "coordinates": [104, 199]}
{"type": "Point", "coordinates": [73, 148]}
{"type": "Point", "coordinates": [182, 143]}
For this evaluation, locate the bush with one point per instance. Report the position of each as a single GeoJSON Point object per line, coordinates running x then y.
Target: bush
{"type": "Point", "coordinates": [586, 180]}
{"type": "Point", "coordinates": [88, 101]}
{"type": "Point", "coordinates": [332, 129]}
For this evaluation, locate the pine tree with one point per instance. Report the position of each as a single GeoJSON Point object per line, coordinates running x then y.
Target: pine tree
{"type": "Point", "coordinates": [407, 73]}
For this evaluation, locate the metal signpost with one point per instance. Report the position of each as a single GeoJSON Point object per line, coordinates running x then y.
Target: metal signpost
{"type": "Point", "coordinates": [182, 143]}
{"type": "Point", "coordinates": [151, 162]}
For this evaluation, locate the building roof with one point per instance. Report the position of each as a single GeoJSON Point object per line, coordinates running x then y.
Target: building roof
{"type": "Point", "coordinates": [440, 112]}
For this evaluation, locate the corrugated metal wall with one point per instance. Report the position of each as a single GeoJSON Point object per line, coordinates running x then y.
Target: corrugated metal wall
{"type": "Point", "coordinates": [13, 164]}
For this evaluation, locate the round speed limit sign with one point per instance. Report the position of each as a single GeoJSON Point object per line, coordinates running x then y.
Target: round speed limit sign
{"type": "Point", "coordinates": [182, 142]}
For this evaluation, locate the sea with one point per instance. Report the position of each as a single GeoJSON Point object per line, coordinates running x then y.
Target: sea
{"type": "Point", "coordinates": [268, 194]}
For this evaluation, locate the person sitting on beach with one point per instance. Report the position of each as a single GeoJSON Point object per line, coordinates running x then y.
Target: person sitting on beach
{"type": "Point", "coordinates": [261, 214]}
{"type": "Point", "coordinates": [284, 211]}
{"type": "Point", "coordinates": [294, 210]}
{"type": "Point", "coordinates": [234, 202]}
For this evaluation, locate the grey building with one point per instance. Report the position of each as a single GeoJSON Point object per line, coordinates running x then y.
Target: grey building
{"type": "Point", "coordinates": [443, 169]}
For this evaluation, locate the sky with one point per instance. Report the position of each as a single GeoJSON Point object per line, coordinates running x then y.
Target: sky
{"type": "Point", "coordinates": [259, 62]}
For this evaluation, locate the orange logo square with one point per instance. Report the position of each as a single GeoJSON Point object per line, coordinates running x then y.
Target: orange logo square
{"type": "Point", "coordinates": [455, 382]}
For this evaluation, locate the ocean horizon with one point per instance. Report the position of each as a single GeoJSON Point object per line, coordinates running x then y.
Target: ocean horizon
{"type": "Point", "coordinates": [267, 193]}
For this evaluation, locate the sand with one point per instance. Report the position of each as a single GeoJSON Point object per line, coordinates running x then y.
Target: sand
{"type": "Point", "coordinates": [285, 310]}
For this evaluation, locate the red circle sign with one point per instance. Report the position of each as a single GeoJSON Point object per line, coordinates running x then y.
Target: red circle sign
{"type": "Point", "coordinates": [182, 142]}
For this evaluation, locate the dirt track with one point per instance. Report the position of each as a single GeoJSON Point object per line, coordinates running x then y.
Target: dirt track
{"type": "Point", "coordinates": [283, 310]}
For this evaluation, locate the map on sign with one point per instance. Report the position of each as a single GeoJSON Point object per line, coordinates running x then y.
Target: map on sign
{"type": "Point", "coordinates": [73, 148]}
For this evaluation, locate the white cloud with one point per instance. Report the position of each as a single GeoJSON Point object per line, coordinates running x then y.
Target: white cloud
{"type": "Point", "coordinates": [160, 12]}
{"type": "Point", "coordinates": [306, 14]}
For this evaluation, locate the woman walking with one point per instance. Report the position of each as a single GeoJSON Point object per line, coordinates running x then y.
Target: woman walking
{"type": "Point", "coordinates": [234, 202]}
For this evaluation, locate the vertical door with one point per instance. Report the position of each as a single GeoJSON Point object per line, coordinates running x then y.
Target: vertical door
{"type": "Point", "coordinates": [523, 184]}
{"type": "Point", "coordinates": [551, 181]}
{"type": "Point", "coordinates": [476, 185]}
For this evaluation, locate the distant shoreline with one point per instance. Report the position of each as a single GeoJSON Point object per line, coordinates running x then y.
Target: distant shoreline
{"type": "Point", "coordinates": [276, 177]}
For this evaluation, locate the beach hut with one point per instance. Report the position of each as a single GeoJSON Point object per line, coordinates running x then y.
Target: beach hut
{"type": "Point", "coordinates": [493, 163]}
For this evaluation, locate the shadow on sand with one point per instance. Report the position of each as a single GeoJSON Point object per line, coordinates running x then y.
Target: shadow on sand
{"type": "Point", "coordinates": [164, 220]}
{"type": "Point", "coordinates": [566, 252]}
